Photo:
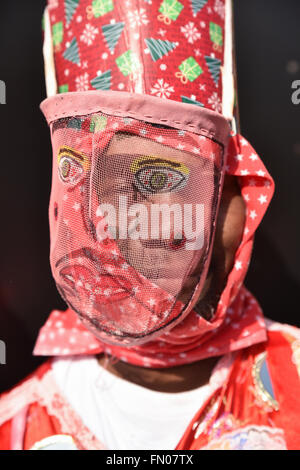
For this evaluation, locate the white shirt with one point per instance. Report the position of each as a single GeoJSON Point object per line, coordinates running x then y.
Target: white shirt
{"type": "Point", "coordinates": [121, 414]}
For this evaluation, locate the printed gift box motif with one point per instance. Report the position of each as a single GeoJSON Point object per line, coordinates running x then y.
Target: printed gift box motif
{"type": "Point", "coordinates": [190, 70]}
{"type": "Point", "coordinates": [99, 8]}
{"type": "Point", "coordinates": [128, 63]}
{"type": "Point", "coordinates": [57, 35]}
{"type": "Point", "coordinates": [170, 10]}
{"type": "Point", "coordinates": [63, 88]}
{"type": "Point", "coordinates": [98, 123]}
{"type": "Point", "coordinates": [216, 35]}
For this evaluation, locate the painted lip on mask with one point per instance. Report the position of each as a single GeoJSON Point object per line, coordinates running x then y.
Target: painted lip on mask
{"type": "Point", "coordinates": [96, 275]}
{"type": "Point", "coordinates": [101, 287]}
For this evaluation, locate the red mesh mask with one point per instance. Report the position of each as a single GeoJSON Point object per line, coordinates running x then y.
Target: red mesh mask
{"type": "Point", "coordinates": [134, 201]}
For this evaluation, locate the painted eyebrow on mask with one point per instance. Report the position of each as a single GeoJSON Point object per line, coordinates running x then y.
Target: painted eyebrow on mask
{"type": "Point", "coordinates": [159, 160]}
{"type": "Point", "coordinates": [70, 151]}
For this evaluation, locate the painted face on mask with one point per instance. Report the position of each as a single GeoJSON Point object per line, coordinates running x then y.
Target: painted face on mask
{"type": "Point", "coordinates": [133, 214]}
{"type": "Point", "coordinates": [161, 199]}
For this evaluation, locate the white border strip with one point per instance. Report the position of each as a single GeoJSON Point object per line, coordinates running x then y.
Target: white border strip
{"type": "Point", "coordinates": [50, 76]}
{"type": "Point", "coordinates": [227, 70]}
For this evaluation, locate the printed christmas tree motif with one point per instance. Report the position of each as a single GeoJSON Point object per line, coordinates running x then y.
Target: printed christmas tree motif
{"type": "Point", "coordinates": [103, 81]}
{"type": "Point", "coordinates": [216, 35]}
{"type": "Point", "coordinates": [170, 10]}
{"type": "Point", "coordinates": [197, 5]}
{"type": "Point", "coordinates": [190, 70]}
{"type": "Point", "coordinates": [112, 33]}
{"type": "Point", "coordinates": [159, 48]}
{"type": "Point", "coordinates": [99, 8]}
{"type": "Point", "coordinates": [57, 35]}
{"type": "Point", "coordinates": [63, 88]}
{"type": "Point", "coordinates": [98, 123]}
{"type": "Point", "coordinates": [70, 7]}
{"type": "Point", "coordinates": [71, 53]}
{"type": "Point", "coordinates": [128, 63]}
{"type": "Point", "coordinates": [185, 99]}
{"type": "Point", "coordinates": [214, 66]}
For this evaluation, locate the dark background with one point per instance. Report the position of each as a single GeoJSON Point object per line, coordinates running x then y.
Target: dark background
{"type": "Point", "coordinates": [268, 60]}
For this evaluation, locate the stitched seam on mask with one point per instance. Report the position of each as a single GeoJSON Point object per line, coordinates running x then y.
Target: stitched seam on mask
{"type": "Point", "coordinates": [120, 112]}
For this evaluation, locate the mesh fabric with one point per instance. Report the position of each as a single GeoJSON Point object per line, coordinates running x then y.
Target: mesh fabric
{"type": "Point", "coordinates": [132, 217]}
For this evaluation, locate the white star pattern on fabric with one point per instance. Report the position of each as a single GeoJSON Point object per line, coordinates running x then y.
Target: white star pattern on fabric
{"type": "Point", "coordinates": [262, 199]}
{"type": "Point", "coordinates": [162, 32]}
{"type": "Point", "coordinates": [238, 265]}
{"type": "Point", "coordinates": [76, 206]}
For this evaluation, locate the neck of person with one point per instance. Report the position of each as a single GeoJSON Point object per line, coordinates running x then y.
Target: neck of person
{"type": "Point", "coordinates": [169, 380]}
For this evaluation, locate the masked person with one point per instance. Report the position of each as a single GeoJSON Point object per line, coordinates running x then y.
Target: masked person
{"type": "Point", "coordinates": [155, 201]}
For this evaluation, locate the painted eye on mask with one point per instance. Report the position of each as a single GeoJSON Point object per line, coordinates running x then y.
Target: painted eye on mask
{"type": "Point", "coordinates": [71, 165]}
{"type": "Point", "coordinates": [153, 175]}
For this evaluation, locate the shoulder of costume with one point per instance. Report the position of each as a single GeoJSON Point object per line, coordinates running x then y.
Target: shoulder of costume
{"type": "Point", "coordinates": [283, 358]}
{"type": "Point", "coordinates": [35, 415]}
{"type": "Point", "coordinates": [23, 394]}
{"type": "Point", "coordinates": [283, 355]}
{"type": "Point", "coordinates": [289, 331]}
{"type": "Point", "coordinates": [282, 351]}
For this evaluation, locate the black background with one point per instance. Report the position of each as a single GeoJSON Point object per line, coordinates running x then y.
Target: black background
{"type": "Point", "coordinates": [268, 61]}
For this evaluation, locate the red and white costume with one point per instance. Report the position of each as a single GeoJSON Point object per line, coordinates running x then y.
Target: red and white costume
{"type": "Point", "coordinates": [252, 399]}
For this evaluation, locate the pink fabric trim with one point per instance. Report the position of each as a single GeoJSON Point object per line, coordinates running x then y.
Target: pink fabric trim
{"type": "Point", "coordinates": [14, 405]}
{"type": "Point", "coordinates": [57, 405]}
{"type": "Point", "coordinates": [181, 116]}
{"type": "Point", "coordinates": [18, 427]}
{"type": "Point", "coordinates": [19, 397]}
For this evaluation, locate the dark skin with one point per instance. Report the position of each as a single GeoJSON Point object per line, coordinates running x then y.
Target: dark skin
{"type": "Point", "coordinates": [228, 236]}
